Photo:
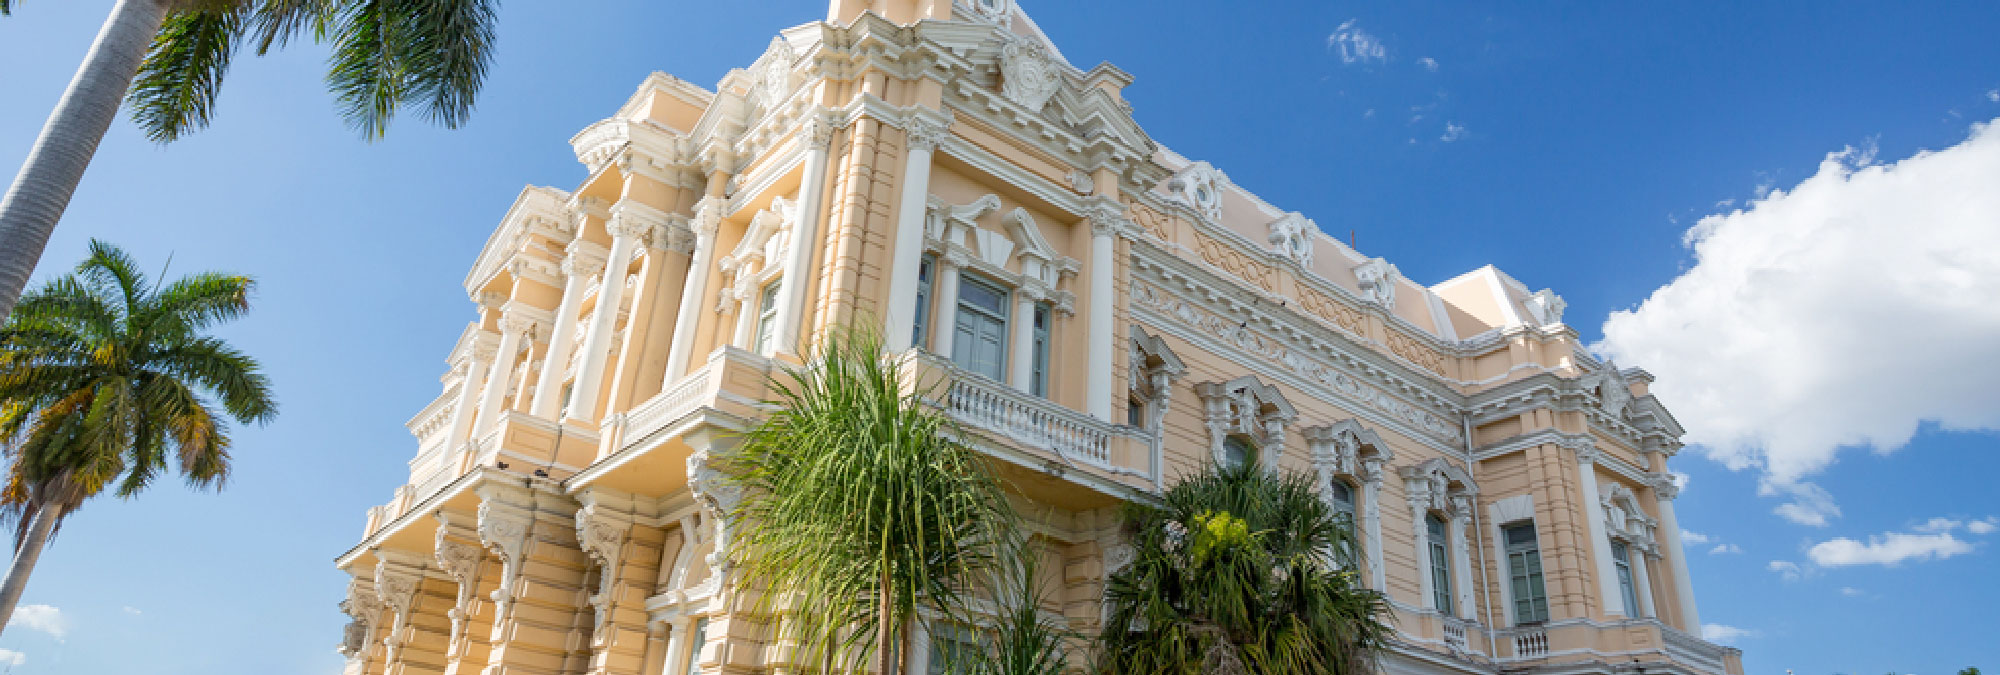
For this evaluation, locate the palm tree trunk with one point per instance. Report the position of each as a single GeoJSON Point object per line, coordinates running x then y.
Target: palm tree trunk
{"type": "Point", "coordinates": [24, 560]}
{"type": "Point", "coordinates": [55, 165]}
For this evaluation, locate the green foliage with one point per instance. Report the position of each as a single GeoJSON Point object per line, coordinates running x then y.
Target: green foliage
{"type": "Point", "coordinates": [103, 375]}
{"type": "Point", "coordinates": [865, 505]}
{"type": "Point", "coordinates": [1025, 641]}
{"type": "Point", "coordinates": [1241, 570]}
{"type": "Point", "coordinates": [387, 54]}
{"type": "Point", "coordinates": [1969, 671]}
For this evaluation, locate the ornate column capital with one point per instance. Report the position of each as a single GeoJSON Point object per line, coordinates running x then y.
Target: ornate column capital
{"type": "Point", "coordinates": [818, 129]}
{"type": "Point", "coordinates": [925, 134]}
{"type": "Point", "coordinates": [1665, 487]}
{"type": "Point", "coordinates": [1587, 455]}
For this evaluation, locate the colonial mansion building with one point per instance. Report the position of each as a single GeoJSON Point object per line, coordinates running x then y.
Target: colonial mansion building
{"type": "Point", "coordinates": [1104, 315]}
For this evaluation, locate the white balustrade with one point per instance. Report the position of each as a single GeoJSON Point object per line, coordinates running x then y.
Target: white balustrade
{"type": "Point", "coordinates": [1454, 634]}
{"type": "Point", "coordinates": [1029, 420]}
{"type": "Point", "coordinates": [1531, 643]}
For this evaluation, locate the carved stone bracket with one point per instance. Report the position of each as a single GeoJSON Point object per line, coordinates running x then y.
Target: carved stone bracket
{"type": "Point", "coordinates": [363, 609]}
{"type": "Point", "coordinates": [461, 561]}
{"type": "Point", "coordinates": [503, 528]}
{"type": "Point", "coordinates": [602, 536]}
{"type": "Point", "coordinates": [396, 580]}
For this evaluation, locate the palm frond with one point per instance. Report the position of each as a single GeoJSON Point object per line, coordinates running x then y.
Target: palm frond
{"type": "Point", "coordinates": [275, 22]}
{"type": "Point", "coordinates": [175, 90]}
{"type": "Point", "coordinates": [450, 47]}
{"type": "Point", "coordinates": [370, 71]}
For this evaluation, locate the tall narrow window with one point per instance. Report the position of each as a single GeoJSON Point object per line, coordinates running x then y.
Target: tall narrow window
{"type": "Point", "coordinates": [767, 315]}
{"type": "Point", "coordinates": [696, 640]}
{"type": "Point", "coordinates": [980, 345]}
{"type": "Point", "coordinates": [1342, 496]}
{"type": "Point", "coordinates": [925, 270]}
{"type": "Point", "coordinates": [1038, 381]}
{"type": "Point", "coordinates": [953, 650]}
{"type": "Point", "coordinates": [1238, 451]}
{"type": "Point", "coordinates": [1524, 574]}
{"type": "Point", "coordinates": [1135, 412]}
{"type": "Point", "coordinates": [1621, 556]}
{"type": "Point", "coordinates": [1440, 565]}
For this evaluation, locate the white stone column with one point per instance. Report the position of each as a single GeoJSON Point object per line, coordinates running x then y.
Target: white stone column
{"type": "Point", "coordinates": [1371, 519]}
{"type": "Point", "coordinates": [1600, 545]}
{"type": "Point", "coordinates": [1461, 552]}
{"type": "Point", "coordinates": [1022, 358]}
{"type": "Point", "coordinates": [1098, 363]}
{"type": "Point", "coordinates": [468, 391]}
{"type": "Point", "coordinates": [626, 231]}
{"type": "Point", "coordinates": [746, 317]}
{"type": "Point", "coordinates": [1642, 583]}
{"type": "Point", "coordinates": [946, 322]}
{"type": "Point", "coordinates": [578, 268]}
{"type": "Point", "coordinates": [907, 250]}
{"type": "Point", "coordinates": [1665, 491]}
{"type": "Point", "coordinates": [677, 648]}
{"type": "Point", "coordinates": [818, 134]}
{"type": "Point", "coordinates": [513, 327]}
{"type": "Point", "coordinates": [708, 219]}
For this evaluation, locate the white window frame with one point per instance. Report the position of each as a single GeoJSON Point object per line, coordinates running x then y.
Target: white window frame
{"type": "Point", "coordinates": [1530, 579]}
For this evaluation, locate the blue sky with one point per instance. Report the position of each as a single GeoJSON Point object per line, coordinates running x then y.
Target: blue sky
{"type": "Point", "coordinates": [1573, 145]}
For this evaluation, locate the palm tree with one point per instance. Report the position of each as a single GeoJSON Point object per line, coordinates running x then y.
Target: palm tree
{"type": "Point", "coordinates": [1245, 571]}
{"type": "Point", "coordinates": [866, 506]}
{"type": "Point", "coordinates": [166, 58]}
{"type": "Point", "coordinates": [102, 374]}
{"type": "Point", "coordinates": [1024, 640]}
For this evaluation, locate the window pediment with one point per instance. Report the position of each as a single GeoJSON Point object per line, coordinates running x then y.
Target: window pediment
{"type": "Point", "coordinates": [1245, 407]}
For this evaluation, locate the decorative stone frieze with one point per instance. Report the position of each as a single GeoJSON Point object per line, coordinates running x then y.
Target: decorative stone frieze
{"type": "Point", "coordinates": [1233, 334]}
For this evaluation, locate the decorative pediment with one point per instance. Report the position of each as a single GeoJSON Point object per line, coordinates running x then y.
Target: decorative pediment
{"type": "Point", "coordinates": [1246, 407]}
{"type": "Point", "coordinates": [1378, 279]}
{"type": "Point", "coordinates": [1154, 366]}
{"type": "Point", "coordinates": [953, 224]}
{"type": "Point", "coordinates": [1626, 520]}
{"type": "Point", "coordinates": [1038, 258]}
{"type": "Point", "coordinates": [997, 12]}
{"type": "Point", "coordinates": [1200, 187]}
{"type": "Point", "coordinates": [1347, 447]}
{"type": "Point", "coordinates": [1292, 238]}
{"type": "Point", "coordinates": [1439, 485]}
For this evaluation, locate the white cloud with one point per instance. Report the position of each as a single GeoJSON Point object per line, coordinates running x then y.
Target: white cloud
{"type": "Point", "coordinates": [1787, 570]}
{"type": "Point", "coordinates": [1356, 45]}
{"type": "Point", "coordinates": [12, 658]}
{"type": "Point", "coordinates": [1811, 504]}
{"type": "Point", "coordinates": [1940, 525]}
{"type": "Point", "coordinates": [1694, 538]}
{"type": "Point", "coordinates": [1986, 526]}
{"type": "Point", "coordinates": [1428, 63]}
{"type": "Point", "coordinates": [1850, 591]}
{"type": "Point", "coordinates": [1889, 549]}
{"type": "Point", "coordinates": [1725, 549]}
{"type": "Point", "coordinates": [1993, 95]}
{"type": "Point", "coordinates": [128, 609]}
{"type": "Point", "coordinates": [1452, 132]}
{"type": "Point", "coordinates": [43, 618]}
{"type": "Point", "coordinates": [1715, 632]}
{"type": "Point", "coordinates": [1773, 342]}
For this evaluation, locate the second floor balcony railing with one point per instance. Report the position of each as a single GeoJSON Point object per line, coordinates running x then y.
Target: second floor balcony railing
{"type": "Point", "coordinates": [1029, 421]}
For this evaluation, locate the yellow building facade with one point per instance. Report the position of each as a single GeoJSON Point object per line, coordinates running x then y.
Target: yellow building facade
{"type": "Point", "coordinates": [1106, 315]}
